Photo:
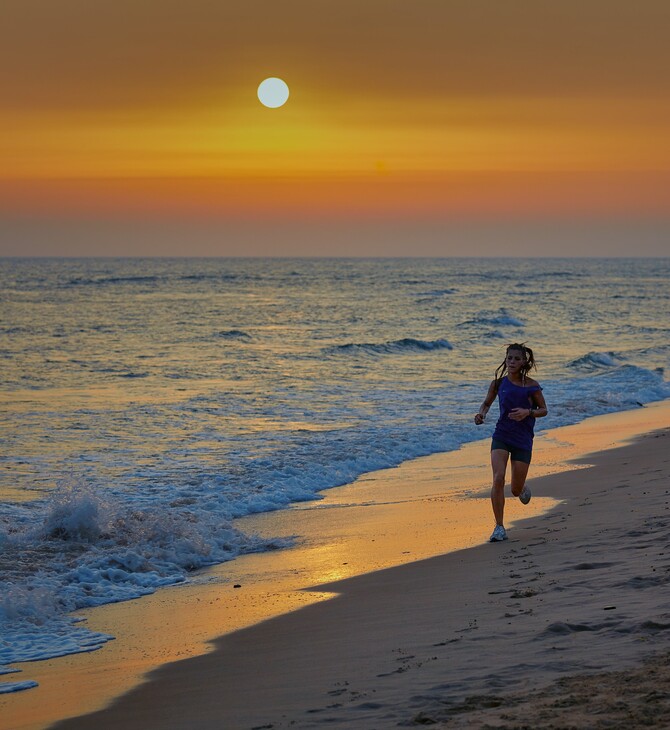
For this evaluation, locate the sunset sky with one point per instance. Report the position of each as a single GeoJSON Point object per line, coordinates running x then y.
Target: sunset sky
{"type": "Point", "coordinates": [413, 127]}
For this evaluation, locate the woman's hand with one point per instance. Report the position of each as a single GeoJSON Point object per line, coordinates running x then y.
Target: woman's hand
{"type": "Point", "coordinates": [518, 414]}
{"type": "Point", "coordinates": [479, 419]}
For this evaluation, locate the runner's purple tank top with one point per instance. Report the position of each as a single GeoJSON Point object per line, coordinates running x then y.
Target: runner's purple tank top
{"type": "Point", "coordinates": [515, 433]}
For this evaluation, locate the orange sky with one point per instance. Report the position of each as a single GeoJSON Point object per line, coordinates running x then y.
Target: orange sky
{"type": "Point", "coordinates": [430, 110]}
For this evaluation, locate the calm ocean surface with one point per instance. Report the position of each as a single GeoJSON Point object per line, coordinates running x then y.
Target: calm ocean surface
{"type": "Point", "coordinates": [146, 403]}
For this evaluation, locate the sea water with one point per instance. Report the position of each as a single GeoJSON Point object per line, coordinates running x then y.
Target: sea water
{"type": "Point", "coordinates": [147, 403]}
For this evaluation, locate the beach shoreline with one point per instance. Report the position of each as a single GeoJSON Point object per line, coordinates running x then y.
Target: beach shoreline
{"type": "Point", "coordinates": [381, 518]}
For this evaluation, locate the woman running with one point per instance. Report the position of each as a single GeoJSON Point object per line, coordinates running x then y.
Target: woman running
{"type": "Point", "coordinates": [521, 402]}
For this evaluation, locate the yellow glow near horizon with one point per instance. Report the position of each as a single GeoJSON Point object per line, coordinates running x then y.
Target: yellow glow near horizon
{"type": "Point", "coordinates": [458, 136]}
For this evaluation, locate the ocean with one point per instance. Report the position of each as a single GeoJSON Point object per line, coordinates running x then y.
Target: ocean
{"type": "Point", "coordinates": [147, 403]}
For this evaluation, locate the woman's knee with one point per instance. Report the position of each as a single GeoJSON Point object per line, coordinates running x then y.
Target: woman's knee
{"type": "Point", "coordinates": [498, 480]}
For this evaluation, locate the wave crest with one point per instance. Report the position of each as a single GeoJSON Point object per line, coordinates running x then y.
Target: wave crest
{"type": "Point", "coordinates": [407, 344]}
{"type": "Point", "coordinates": [596, 361]}
{"type": "Point", "coordinates": [501, 319]}
{"type": "Point", "coordinates": [233, 335]}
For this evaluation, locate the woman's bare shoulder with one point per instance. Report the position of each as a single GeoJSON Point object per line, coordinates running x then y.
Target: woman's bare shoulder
{"type": "Point", "coordinates": [531, 383]}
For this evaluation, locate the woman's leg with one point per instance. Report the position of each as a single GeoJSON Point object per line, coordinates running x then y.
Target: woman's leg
{"type": "Point", "coordinates": [519, 473]}
{"type": "Point", "coordinates": [499, 466]}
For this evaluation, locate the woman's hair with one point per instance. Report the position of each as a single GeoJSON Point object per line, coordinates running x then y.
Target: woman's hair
{"type": "Point", "coordinates": [525, 368]}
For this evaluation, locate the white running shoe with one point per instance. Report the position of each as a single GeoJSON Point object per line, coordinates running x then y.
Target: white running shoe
{"type": "Point", "coordinates": [525, 495]}
{"type": "Point", "coordinates": [499, 534]}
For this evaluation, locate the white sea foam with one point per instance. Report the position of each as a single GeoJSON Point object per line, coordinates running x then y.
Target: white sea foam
{"type": "Point", "coordinates": [86, 550]}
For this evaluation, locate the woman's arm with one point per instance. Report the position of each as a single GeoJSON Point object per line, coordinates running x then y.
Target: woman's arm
{"type": "Point", "coordinates": [488, 401]}
{"type": "Point", "coordinates": [539, 408]}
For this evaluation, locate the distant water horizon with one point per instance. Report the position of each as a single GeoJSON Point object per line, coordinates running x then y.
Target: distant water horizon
{"type": "Point", "coordinates": [148, 402]}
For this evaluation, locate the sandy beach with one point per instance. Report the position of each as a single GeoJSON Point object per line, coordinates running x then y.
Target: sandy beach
{"type": "Point", "coordinates": [495, 635]}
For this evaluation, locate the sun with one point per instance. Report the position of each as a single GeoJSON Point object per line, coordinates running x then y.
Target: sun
{"type": "Point", "coordinates": [273, 92]}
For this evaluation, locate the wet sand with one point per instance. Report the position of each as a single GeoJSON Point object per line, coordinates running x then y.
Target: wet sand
{"type": "Point", "coordinates": [410, 643]}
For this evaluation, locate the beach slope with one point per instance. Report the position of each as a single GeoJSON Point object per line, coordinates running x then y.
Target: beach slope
{"type": "Point", "coordinates": [473, 637]}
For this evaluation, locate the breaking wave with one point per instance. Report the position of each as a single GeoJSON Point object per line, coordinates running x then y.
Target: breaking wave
{"type": "Point", "coordinates": [596, 361]}
{"type": "Point", "coordinates": [407, 344]}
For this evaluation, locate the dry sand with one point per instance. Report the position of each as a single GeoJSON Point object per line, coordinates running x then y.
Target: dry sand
{"type": "Point", "coordinates": [493, 636]}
